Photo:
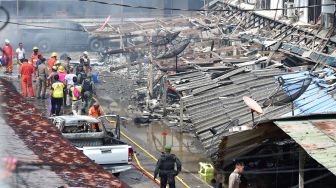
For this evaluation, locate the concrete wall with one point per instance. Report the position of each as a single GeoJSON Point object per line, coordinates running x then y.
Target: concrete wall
{"type": "Point", "coordinates": [304, 11]}
{"type": "Point", "coordinates": [328, 9]}
{"type": "Point", "coordinates": [277, 4]}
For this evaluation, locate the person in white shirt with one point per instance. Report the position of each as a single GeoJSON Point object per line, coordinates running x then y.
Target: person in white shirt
{"type": "Point", "coordinates": [69, 82]}
{"type": "Point", "coordinates": [20, 53]}
{"type": "Point", "coordinates": [235, 176]}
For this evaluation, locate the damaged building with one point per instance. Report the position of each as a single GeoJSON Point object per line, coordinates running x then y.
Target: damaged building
{"type": "Point", "coordinates": [198, 71]}
{"type": "Point", "coordinates": [279, 53]}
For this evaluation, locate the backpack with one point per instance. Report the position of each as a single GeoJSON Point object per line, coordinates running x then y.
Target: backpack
{"type": "Point", "coordinates": [87, 85]}
{"type": "Point", "coordinates": [76, 92]}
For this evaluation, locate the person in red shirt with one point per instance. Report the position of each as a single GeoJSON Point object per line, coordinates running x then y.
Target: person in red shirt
{"type": "Point", "coordinates": [35, 57]}
{"type": "Point", "coordinates": [52, 61]}
{"type": "Point", "coordinates": [26, 71]}
{"type": "Point", "coordinates": [8, 55]}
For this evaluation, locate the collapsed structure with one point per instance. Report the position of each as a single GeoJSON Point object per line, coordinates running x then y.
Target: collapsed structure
{"type": "Point", "coordinates": [267, 50]}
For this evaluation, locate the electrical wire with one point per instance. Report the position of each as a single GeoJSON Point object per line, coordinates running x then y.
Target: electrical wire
{"type": "Point", "coordinates": [198, 10]}
{"type": "Point", "coordinates": [41, 26]}
{"type": "Point", "coordinates": [7, 17]}
{"type": "Point", "coordinates": [78, 30]}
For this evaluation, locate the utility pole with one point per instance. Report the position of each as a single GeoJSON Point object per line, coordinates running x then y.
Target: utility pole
{"type": "Point", "coordinates": [301, 167]}
{"type": "Point", "coordinates": [164, 95]}
{"type": "Point", "coordinates": [150, 73]}
{"type": "Point", "coordinates": [150, 77]}
{"type": "Point", "coordinates": [17, 9]}
{"type": "Point", "coordinates": [150, 68]}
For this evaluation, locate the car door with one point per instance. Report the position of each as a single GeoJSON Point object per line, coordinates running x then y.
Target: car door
{"type": "Point", "coordinates": [111, 123]}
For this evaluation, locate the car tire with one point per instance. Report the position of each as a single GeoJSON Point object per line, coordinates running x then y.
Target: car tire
{"type": "Point", "coordinates": [96, 45]}
{"type": "Point", "coordinates": [44, 45]}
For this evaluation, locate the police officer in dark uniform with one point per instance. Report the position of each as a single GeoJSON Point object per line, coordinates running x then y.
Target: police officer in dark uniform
{"type": "Point", "coordinates": [165, 167]}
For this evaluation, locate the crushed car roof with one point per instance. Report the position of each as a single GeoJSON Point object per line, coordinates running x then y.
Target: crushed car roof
{"type": "Point", "coordinates": [75, 119]}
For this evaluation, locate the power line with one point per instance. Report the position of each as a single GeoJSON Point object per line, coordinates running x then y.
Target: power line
{"type": "Point", "coordinates": [7, 17]}
{"type": "Point", "coordinates": [78, 30]}
{"type": "Point", "coordinates": [41, 26]}
{"type": "Point", "coordinates": [198, 10]}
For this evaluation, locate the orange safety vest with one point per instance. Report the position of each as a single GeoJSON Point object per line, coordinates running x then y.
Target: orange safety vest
{"type": "Point", "coordinates": [94, 112]}
{"type": "Point", "coordinates": [51, 63]}
{"type": "Point", "coordinates": [34, 58]}
{"type": "Point", "coordinates": [8, 52]}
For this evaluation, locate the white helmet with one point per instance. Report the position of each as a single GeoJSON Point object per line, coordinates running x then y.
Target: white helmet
{"type": "Point", "coordinates": [7, 41]}
{"type": "Point", "coordinates": [86, 53]}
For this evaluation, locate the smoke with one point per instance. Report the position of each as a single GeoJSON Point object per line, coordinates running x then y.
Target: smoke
{"type": "Point", "coordinates": [79, 9]}
{"type": "Point", "coordinates": [45, 12]}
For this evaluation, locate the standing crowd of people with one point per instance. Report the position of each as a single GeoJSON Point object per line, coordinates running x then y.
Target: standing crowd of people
{"type": "Point", "coordinates": [69, 85]}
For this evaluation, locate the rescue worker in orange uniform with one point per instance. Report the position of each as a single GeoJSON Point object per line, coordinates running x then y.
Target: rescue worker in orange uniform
{"type": "Point", "coordinates": [26, 71]}
{"type": "Point", "coordinates": [52, 61]}
{"type": "Point", "coordinates": [95, 111]}
{"type": "Point", "coordinates": [35, 57]}
{"type": "Point", "coordinates": [8, 55]}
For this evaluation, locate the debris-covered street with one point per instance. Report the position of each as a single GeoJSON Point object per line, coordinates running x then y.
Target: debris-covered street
{"type": "Point", "coordinates": [187, 93]}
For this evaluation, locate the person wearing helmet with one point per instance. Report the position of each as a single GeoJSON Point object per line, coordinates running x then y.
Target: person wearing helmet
{"type": "Point", "coordinates": [165, 168]}
{"type": "Point", "coordinates": [20, 53]}
{"type": "Point", "coordinates": [85, 58]}
{"type": "Point", "coordinates": [8, 55]}
{"type": "Point", "coordinates": [61, 74]}
{"type": "Point", "coordinates": [52, 62]}
{"type": "Point", "coordinates": [51, 76]}
{"type": "Point", "coordinates": [35, 57]}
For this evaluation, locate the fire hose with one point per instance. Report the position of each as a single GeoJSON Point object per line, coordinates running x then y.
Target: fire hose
{"type": "Point", "coordinates": [143, 170]}
{"type": "Point", "coordinates": [138, 165]}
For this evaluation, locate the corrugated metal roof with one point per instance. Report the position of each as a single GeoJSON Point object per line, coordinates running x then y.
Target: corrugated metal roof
{"type": "Point", "coordinates": [316, 137]}
{"type": "Point", "coordinates": [316, 99]}
{"type": "Point", "coordinates": [216, 106]}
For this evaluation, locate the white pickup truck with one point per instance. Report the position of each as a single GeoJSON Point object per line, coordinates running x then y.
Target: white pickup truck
{"type": "Point", "coordinates": [99, 139]}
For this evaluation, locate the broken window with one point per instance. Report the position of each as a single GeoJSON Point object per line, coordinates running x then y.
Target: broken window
{"type": "Point", "coordinates": [263, 4]}
{"type": "Point", "coordinates": [288, 8]}
{"type": "Point", "coordinates": [314, 11]}
{"type": "Point", "coordinates": [251, 2]}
